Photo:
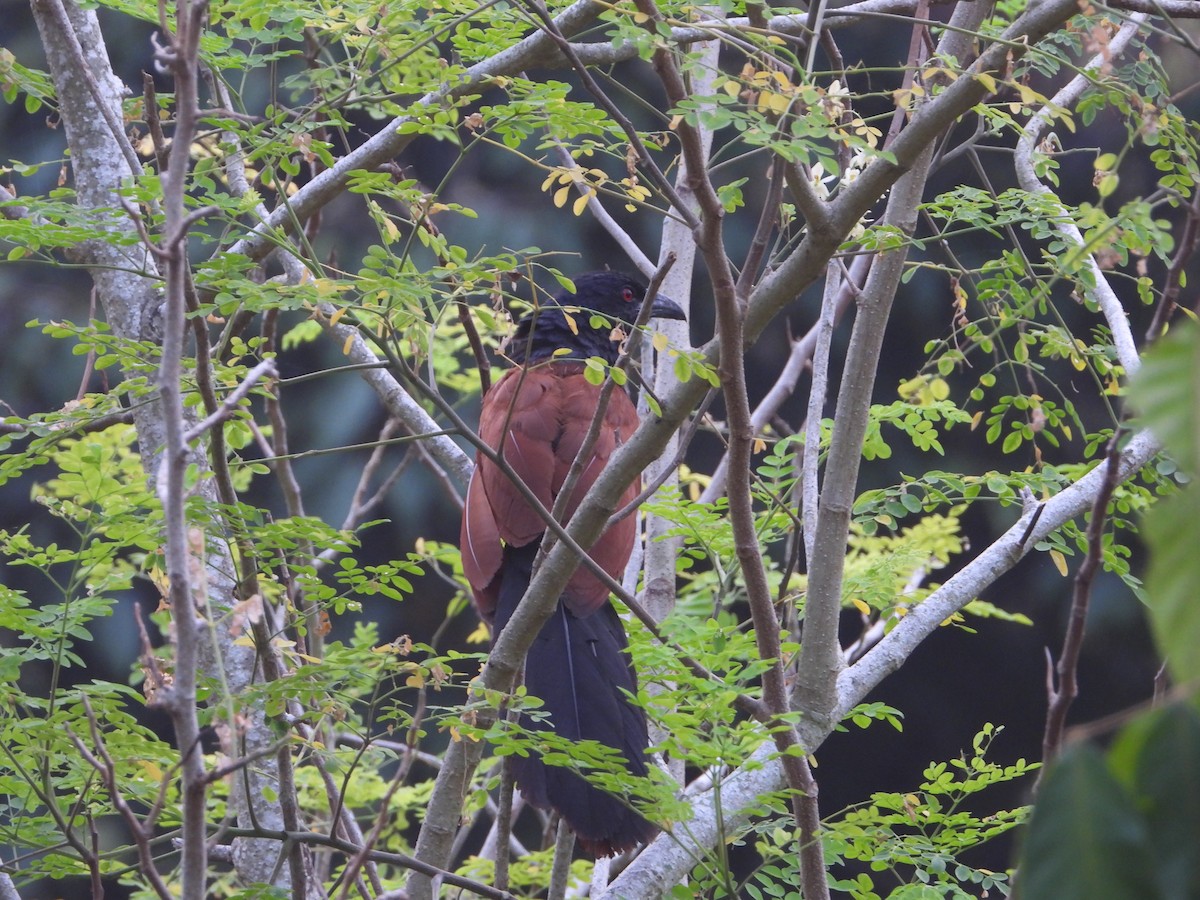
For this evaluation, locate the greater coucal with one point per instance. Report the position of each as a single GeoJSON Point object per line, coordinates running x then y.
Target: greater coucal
{"type": "Point", "coordinates": [537, 416]}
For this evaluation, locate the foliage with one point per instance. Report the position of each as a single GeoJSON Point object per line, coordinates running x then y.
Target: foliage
{"type": "Point", "coordinates": [1121, 824]}
{"type": "Point", "coordinates": [1013, 386]}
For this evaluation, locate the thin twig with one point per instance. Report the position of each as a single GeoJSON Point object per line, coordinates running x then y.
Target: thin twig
{"type": "Point", "coordinates": [316, 839]}
{"type": "Point", "coordinates": [1188, 243]}
{"type": "Point", "coordinates": [184, 47]}
{"type": "Point", "coordinates": [767, 219]}
{"type": "Point", "coordinates": [624, 240]}
{"type": "Point", "coordinates": [154, 122]}
{"type": "Point", "coordinates": [580, 462]}
{"type": "Point", "coordinates": [645, 160]}
{"type": "Point", "coordinates": [817, 397]}
{"type": "Point", "coordinates": [106, 768]}
{"type": "Point", "coordinates": [560, 872]}
{"type": "Point", "coordinates": [265, 369]}
{"type": "Point", "coordinates": [1062, 695]}
{"type": "Point", "coordinates": [503, 822]}
{"type": "Point", "coordinates": [482, 365]}
{"type": "Point", "coordinates": [744, 703]}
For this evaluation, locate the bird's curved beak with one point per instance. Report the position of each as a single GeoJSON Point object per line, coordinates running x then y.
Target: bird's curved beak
{"type": "Point", "coordinates": [666, 308]}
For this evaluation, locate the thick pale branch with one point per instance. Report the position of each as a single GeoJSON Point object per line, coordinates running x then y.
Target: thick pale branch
{"type": "Point", "coordinates": [970, 581]}
{"type": "Point", "coordinates": [799, 359]}
{"type": "Point", "coordinates": [594, 205]}
{"type": "Point", "coordinates": [820, 653]}
{"type": "Point", "coordinates": [1110, 305]}
{"type": "Point", "coordinates": [795, 273]}
{"type": "Point", "coordinates": [667, 860]}
{"type": "Point", "coordinates": [400, 403]}
{"type": "Point", "coordinates": [391, 139]}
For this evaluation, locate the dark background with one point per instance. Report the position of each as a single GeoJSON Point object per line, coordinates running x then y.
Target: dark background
{"type": "Point", "coordinates": [954, 684]}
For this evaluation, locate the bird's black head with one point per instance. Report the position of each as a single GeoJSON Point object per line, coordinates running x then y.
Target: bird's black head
{"type": "Point", "coordinates": [584, 322]}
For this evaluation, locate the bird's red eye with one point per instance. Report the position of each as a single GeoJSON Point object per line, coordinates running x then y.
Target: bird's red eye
{"type": "Point", "coordinates": [627, 295]}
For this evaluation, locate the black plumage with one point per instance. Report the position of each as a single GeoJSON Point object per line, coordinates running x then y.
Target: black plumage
{"type": "Point", "coordinates": [579, 668]}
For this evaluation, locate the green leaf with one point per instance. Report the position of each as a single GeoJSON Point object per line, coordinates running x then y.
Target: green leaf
{"type": "Point", "coordinates": [1167, 393]}
{"type": "Point", "coordinates": [1086, 839]}
{"type": "Point", "coordinates": [1159, 757]}
{"type": "Point", "coordinates": [1170, 530]}
{"type": "Point", "coordinates": [593, 371]}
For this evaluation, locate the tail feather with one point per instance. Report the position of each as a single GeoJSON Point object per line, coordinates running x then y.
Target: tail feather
{"type": "Point", "coordinates": [578, 667]}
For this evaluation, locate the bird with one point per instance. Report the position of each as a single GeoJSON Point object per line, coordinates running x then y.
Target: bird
{"type": "Point", "coordinates": [537, 416]}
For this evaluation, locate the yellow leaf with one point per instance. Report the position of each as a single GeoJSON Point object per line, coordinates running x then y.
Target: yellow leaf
{"type": "Point", "coordinates": [659, 341]}
{"type": "Point", "coordinates": [337, 315]}
{"type": "Point", "coordinates": [480, 635]}
{"type": "Point", "coordinates": [1060, 562]}
{"type": "Point", "coordinates": [1029, 95]}
{"type": "Point", "coordinates": [939, 389]}
{"type": "Point", "coordinates": [759, 445]}
{"type": "Point", "coordinates": [771, 102]}
{"type": "Point", "coordinates": [150, 770]}
{"type": "Point", "coordinates": [571, 323]}
{"type": "Point", "coordinates": [861, 606]}
{"type": "Point", "coordinates": [415, 680]}
{"type": "Point", "coordinates": [987, 81]}
{"type": "Point", "coordinates": [560, 196]}
{"type": "Point", "coordinates": [976, 419]}
{"type": "Point", "coordinates": [581, 204]}
{"type": "Point", "coordinates": [910, 388]}
{"type": "Point", "coordinates": [349, 343]}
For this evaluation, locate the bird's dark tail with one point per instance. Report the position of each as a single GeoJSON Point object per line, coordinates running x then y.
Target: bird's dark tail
{"type": "Point", "coordinates": [578, 668]}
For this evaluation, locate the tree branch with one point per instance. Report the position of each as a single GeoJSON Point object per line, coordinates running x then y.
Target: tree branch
{"type": "Point", "coordinates": [1062, 695]}
{"type": "Point", "coordinates": [1110, 305]}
